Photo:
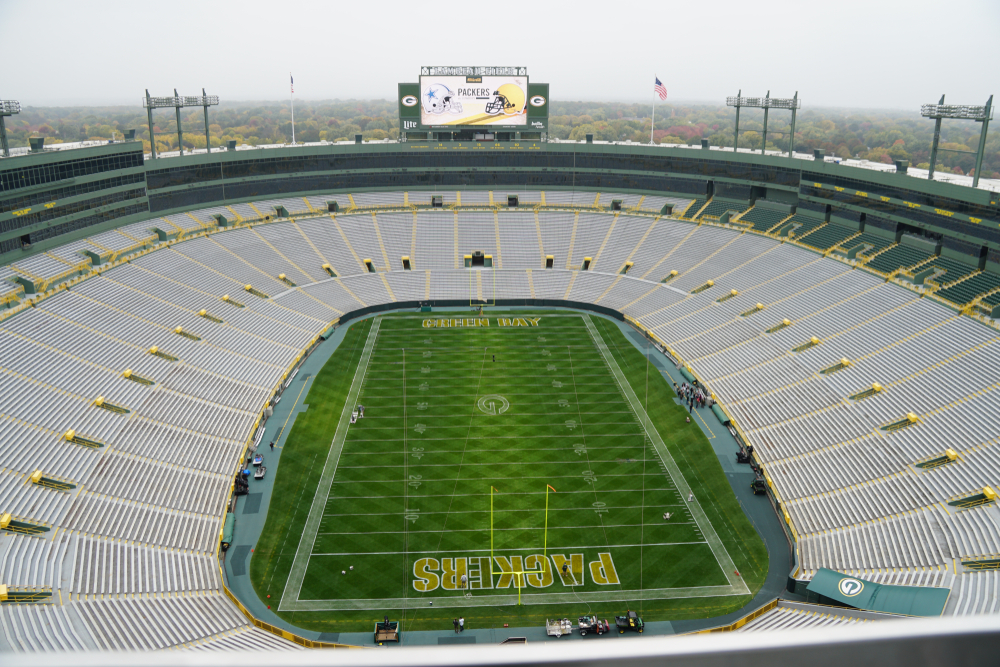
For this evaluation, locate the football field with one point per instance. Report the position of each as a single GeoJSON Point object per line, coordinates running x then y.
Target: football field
{"type": "Point", "coordinates": [472, 426]}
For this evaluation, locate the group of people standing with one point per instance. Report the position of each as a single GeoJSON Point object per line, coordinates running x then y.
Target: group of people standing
{"type": "Point", "coordinates": [694, 396]}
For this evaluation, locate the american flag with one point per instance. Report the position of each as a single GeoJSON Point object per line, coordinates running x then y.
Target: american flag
{"type": "Point", "coordinates": [293, 84]}
{"type": "Point", "coordinates": [659, 89]}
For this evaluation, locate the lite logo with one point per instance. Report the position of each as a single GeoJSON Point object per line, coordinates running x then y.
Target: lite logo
{"type": "Point", "coordinates": [409, 124]}
{"type": "Point", "coordinates": [850, 587]}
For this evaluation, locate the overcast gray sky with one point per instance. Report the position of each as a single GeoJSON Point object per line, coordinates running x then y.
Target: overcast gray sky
{"type": "Point", "coordinates": [852, 53]}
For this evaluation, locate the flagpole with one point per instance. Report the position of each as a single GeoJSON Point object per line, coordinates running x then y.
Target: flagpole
{"type": "Point", "coordinates": [291, 97]}
{"type": "Point", "coordinates": [653, 124]}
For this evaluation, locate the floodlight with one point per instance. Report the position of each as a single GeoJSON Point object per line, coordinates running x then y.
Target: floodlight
{"type": "Point", "coordinates": [7, 108]}
{"type": "Point", "coordinates": [766, 103]}
{"type": "Point", "coordinates": [176, 102]}
{"type": "Point", "coordinates": [940, 111]}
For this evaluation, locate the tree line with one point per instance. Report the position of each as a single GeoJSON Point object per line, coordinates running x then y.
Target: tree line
{"type": "Point", "coordinates": [880, 136]}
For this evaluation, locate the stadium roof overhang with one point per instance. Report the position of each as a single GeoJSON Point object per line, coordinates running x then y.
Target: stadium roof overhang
{"type": "Point", "coordinates": [862, 594]}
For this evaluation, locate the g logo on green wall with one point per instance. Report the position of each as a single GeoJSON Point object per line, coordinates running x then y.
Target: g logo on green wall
{"type": "Point", "coordinates": [537, 101]}
{"type": "Point", "coordinates": [850, 587]}
{"type": "Point", "coordinates": [409, 101]}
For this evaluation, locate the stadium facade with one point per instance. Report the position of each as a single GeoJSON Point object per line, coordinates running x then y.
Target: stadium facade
{"type": "Point", "coordinates": [53, 197]}
{"type": "Point", "coordinates": [926, 249]}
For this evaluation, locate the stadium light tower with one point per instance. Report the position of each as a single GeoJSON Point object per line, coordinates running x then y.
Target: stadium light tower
{"type": "Point", "coordinates": [940, 111]}
{"type": "Point", "coordinates": [766, 103]}
{"type": "Point", "coordinates": [7, 108]}
{"type": "Point", "coordinates": [176, 102]}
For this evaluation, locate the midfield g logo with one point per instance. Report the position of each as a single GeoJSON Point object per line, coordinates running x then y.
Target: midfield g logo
{"type": "Point", "coordinates": [494, 404]}
{"type": "Point", "coordinates": [850, 587]}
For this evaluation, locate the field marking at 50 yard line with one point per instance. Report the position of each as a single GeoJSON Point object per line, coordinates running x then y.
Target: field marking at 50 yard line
{"type": "Point", "coordinates": [297, 574]}
{"type": "Point", "coordinates": [291, 602]}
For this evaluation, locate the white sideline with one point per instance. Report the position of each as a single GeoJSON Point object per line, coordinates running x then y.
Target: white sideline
{"type": "Point", "coordinates": [707, 529]}
{"type": "Point", "coordinates": [298, 572]}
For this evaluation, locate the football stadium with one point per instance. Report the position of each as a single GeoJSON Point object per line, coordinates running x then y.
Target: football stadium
{"type": "Point", "coordinates": [471, 385]}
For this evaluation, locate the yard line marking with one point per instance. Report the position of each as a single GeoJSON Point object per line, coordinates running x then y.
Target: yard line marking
{"type": "Point", "coordinates": [465, 446]}
{"type": "Point", "coordinates": [482, 479]}
{"type": "Point", "coordinates": [514, 493]}
{"type": "Point", "coordinates": [520, 463]}
{"type": "Point", "coordinates": [293, 586]}
{"type": "Point", "coordinates": [551, 509]}
{"type": "Point", "coordinates": [476, 551]}
{"type": "Point", "coordinates": [487, 437]}
{"type": "Point", "coordinates": [484, 530]}
{"type": "Point", "coordinates": [455, 451]}
{"type": "Point", "coordinates": [706, 527]}
{"type": "Point", "coordinates": [583, 436]}
{"type": "Point", "coordinates": [406, 487]}
{"type": "Point", "coordinates": [459, 600]}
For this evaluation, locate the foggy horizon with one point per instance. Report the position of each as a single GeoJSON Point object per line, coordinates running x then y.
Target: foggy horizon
{"type": "Point", "coordinates": [874, 55]}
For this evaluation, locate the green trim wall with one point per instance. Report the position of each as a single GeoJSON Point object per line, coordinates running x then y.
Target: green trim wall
{"type": "Point", "coordinates": [178, 184]}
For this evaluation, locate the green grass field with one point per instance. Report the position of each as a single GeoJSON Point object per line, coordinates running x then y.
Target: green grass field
{"type": "Point", "coordinates": [452, 412]}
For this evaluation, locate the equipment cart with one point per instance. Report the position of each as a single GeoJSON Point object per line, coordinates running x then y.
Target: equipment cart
{"type": "Point", "coordinates": [593, 624]}
{"type": "Point", "coordinates": [558, 628]}
{"type": "Point", "coordinates": [630, 621]}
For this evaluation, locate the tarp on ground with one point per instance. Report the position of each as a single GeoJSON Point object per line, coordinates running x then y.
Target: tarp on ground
{"type": "Point", "coordinates": [688, 375]}
{"type": "Point", "coordinates": [720, 414]}
{"type": "Point", "coordinates": [862, 594]}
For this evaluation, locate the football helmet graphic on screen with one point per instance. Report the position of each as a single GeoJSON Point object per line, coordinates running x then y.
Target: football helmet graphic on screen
{"type": "Point", "coordinates": [508, 99]}
{"type": "Point", "coordinates": [439, 98]}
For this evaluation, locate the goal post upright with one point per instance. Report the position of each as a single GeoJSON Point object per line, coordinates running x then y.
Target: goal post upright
{"type": "Point", "coordinates": [545, 532]}
{"type": "Point", "coordinates": [492, 489]}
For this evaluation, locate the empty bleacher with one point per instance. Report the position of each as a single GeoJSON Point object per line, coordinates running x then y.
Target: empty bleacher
{"type": "Point", "coordinates": [134, 542]}
{"type": "Point", "coordinates": [801, 225]}
{"type": "Point", "coordinates": [971, 288]}
{"type": "Point", "coordinates": [800, 616]}
{"type": "Point", "coordinates": [872, 243]}
{"type": "Point", "coordinates": [826, 236]}
{"type": "Point", "coordinates": [898, 257]}
{"type": "Point", "coordinates": [762, 219]}
{"type": "Point", "coordinates": [693, 209]}
{"type": "Point", "coordinates": [717, 207]}
{"type": "Point", "coordinates": [953, 270]}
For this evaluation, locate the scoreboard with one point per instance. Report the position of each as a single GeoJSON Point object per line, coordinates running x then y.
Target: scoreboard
{"type": "Point", "coordinates": [474, 102]}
